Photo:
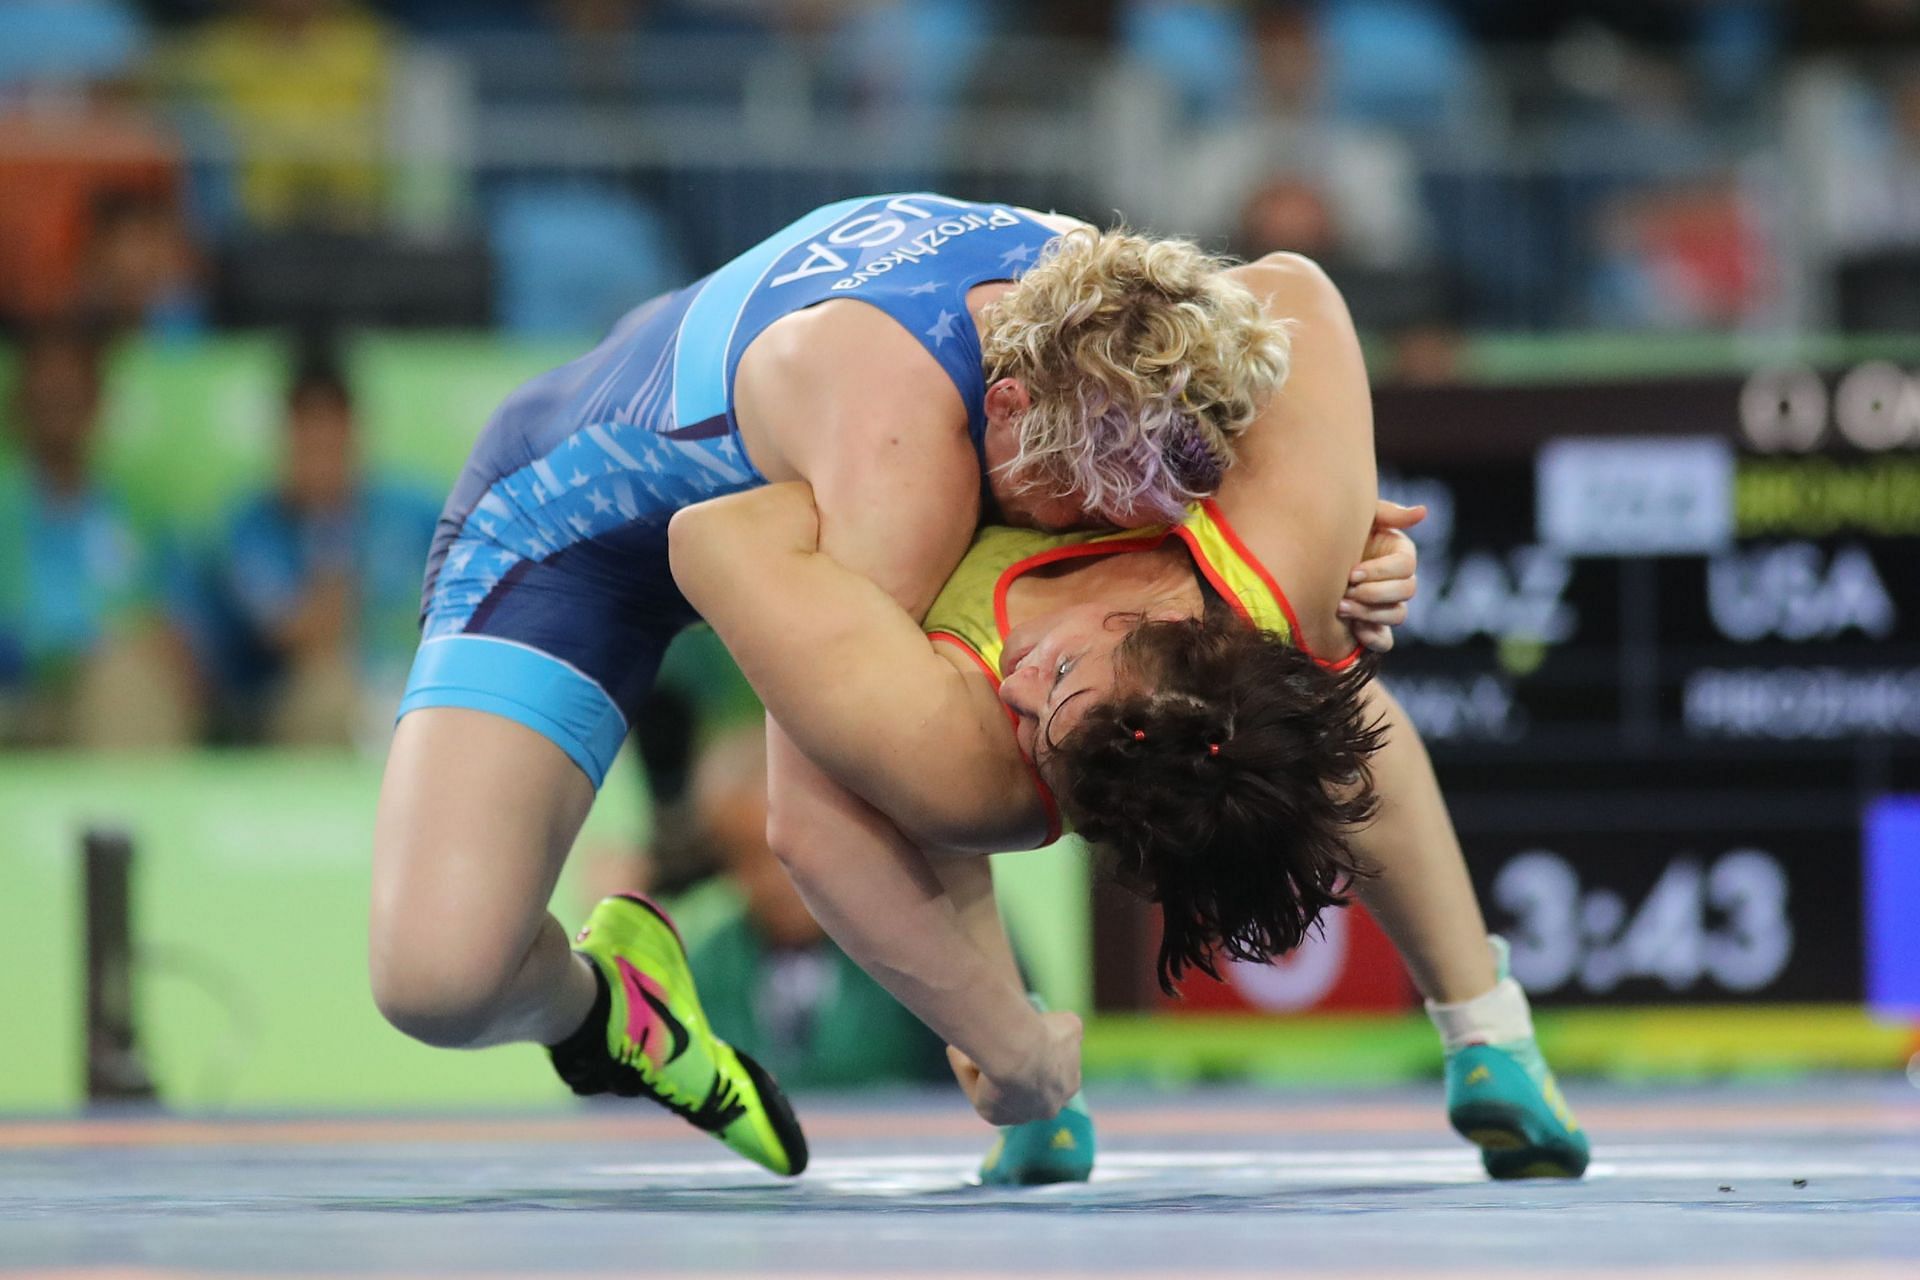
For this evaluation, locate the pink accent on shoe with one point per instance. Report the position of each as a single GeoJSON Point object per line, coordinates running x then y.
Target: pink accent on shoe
{"type": "Point", "coordinates": [644, 1026]}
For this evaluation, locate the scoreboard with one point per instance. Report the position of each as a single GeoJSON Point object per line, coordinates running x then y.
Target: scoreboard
{"type": "Point", "coordinates": [1666, 655]}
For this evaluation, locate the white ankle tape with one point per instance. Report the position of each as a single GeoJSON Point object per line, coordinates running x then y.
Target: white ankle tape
{"type": "Point", "coordinates": [1501, 1016]}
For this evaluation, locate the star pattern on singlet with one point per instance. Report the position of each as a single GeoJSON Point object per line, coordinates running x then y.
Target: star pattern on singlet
{"type": "Point", "coordinates": [536, 512]}
{"type": "Point", "coordinates": [945, 329]}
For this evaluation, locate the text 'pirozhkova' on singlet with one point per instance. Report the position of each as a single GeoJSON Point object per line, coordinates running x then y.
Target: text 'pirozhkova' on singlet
{"type": "Point", "coordinates": [927, 244]}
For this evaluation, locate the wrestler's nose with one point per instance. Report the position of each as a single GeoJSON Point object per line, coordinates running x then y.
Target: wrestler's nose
{"type": "Point", "coordinates": [1021, 690]}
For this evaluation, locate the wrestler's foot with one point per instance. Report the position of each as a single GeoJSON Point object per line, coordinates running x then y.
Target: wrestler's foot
{"type": "Point", "coordinates": [657, 1043]}
{"type": "Point", "coordinates": [1043, 1151]}
{"type": "Point", "coordinates": [1501, 1095]}
{"type": "Point", "coordinates": [1504, 1100]}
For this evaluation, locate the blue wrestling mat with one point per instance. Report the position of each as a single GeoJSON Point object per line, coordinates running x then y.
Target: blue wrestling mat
{"type": "Point", "coordinates": [1821, 1179]}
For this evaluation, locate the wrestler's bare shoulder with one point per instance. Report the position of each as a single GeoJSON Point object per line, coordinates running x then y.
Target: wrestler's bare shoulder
{"type": "Point", "coordinates": [838, 337]}
{"type": "Point", "coordinates": [828, 369]}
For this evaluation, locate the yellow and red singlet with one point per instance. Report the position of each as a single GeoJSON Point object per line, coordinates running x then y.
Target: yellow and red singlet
{"type": "Point", "coordinates": [970, 612]}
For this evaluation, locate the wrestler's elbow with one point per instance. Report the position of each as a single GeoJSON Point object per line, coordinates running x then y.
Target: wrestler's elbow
{"type": "Point", "coordinates": [1293, 284]}
{"type": "Point", "coordinates": [1293, 265]}
{"type": "Point", "coordinates": [808, 848]}
{"type": "Point", "coordinates": [690, 550]}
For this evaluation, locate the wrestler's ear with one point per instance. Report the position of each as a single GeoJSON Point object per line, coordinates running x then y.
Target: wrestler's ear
{"type": "Point", "coordinates": [1007, 399]}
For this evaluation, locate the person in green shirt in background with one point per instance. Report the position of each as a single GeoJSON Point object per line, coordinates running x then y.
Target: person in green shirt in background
{"type": "Point", "coordinates": [773, 983]}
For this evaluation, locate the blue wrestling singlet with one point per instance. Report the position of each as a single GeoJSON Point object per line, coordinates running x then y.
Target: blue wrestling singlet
{"type": "Point", "coordinates": [548, 596]}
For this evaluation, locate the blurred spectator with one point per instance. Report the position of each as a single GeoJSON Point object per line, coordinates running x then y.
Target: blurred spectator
{"type": "Point", "coordinates": [83, 661]}
{"type": "Point", "coordinates": [1411, 306]}
{"type": "Point", "coordinates": [1855, 137]}
{"type": "Point", "coordinates": [1403, 64]}
{"type": "Point", "coordinates": [1199, 48]}
{"type": "Point", "coordinates": [598, 38]}
{"type": "Point", "coordinates": [142, 272]}
{"type": "Point", "coordinates": [1689, 256]}
{"type": "Point", "coordinates": [773, 983]}
{"type": "Point", "coordinates": [1291, 214]}
{"type": "Point", "coordinates": [574, 258]}
{"type": "Point", "coordinates": [908, 61]}
{"type": "Point", "coordinates": [1363, 177]}
{"type": "Point", "coordinates": [302, 88]}
{"type": "Point", "coordinates": [68, 142]}
{"type": "Point", "coordinates": [315, 586]}
{"type": "Point", "coordinates": [1860, 139]}
{"type": "Point", "coordinates": [60, 47]}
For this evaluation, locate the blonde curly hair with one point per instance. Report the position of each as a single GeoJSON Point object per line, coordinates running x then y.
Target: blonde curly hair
{"type": "Point", "coordinates": [1142, 364]}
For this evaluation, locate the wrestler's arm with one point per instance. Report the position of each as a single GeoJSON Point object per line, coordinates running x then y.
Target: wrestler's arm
{"type": "Point", "coordinates": [1303, 491]}
{"type": "Point", "coordinates": [1037, 1068]}
{"type": "Point", "coordinates": [849, 675]}
{"type": "Point", "coordinates": [844, 398]}
{"type": "Point", "coordinates": [1421, 893]}
{"type": "Point", "coordinates": [831, 653]}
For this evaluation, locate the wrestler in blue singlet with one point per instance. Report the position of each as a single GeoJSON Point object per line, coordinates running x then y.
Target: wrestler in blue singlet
{"type": "Point", "coordinates": [548, 595]}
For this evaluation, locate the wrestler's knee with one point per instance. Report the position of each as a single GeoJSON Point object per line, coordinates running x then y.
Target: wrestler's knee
{"type": "Point", "coordinates": [438, 982]}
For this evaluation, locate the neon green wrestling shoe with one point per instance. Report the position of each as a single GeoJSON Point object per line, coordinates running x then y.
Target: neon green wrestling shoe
{"type": "Point", "coordinates": [658, 1044]}
{"type": "Point", "coordinates": [1043, 1151]}
{"type": "Point", "coordinates": [1502, 1097]}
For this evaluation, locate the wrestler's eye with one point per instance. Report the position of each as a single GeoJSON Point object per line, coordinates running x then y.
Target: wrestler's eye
{"type": "Point", "coordinates": [1060, 671]}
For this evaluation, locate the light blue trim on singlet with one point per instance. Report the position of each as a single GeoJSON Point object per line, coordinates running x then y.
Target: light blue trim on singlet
{"type": "Point", "coordinates": [552, 697]}
{"type": "Point", "coordinates": [700, 388]}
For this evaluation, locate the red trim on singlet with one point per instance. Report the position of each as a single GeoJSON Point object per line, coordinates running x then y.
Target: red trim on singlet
{"type": "Point", "coordinates": [1053, 555]}
{"type": "Point", "coordinates": [1212, 574]}
{"type": "Point", "coordinates": [1227, 531]}
{"type": "Point", "coordinates": [1048, 804]}
{"type": "Point", "coordinates": [948, 637]}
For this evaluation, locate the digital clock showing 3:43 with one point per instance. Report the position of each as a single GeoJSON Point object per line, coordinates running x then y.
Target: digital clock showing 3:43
{"type": "Point", "coordinates": [1613, 917]}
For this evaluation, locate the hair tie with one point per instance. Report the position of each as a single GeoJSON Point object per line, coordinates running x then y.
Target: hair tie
{"type": "Point", "coordinates": [1213, 748]}
{"type": "Point", "coordinates": [1139, 735]}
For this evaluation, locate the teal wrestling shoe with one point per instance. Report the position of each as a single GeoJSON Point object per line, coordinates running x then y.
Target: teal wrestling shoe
{"type": "Point", "coordinates": [1040, 1152]}
{"type": "Point", "coordinates": [1501, 1095]}
{"type": "Point", "coordinates": [1043, 1151]}
{"type": "Point", "coordinates": [1504, 1100]}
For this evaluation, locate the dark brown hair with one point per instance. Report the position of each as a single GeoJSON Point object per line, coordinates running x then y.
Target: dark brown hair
{"type": "Point", "coordinates": [1224, 776]}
